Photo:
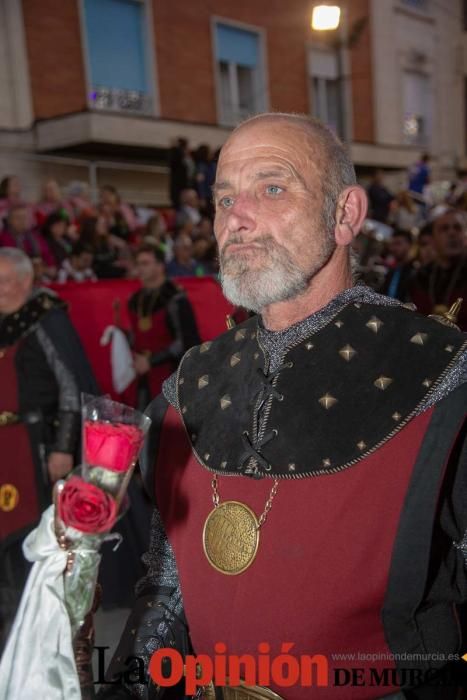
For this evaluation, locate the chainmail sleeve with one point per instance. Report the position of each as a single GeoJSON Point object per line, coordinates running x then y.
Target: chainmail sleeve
{"type": "Point", "coordinates": [157, 619]}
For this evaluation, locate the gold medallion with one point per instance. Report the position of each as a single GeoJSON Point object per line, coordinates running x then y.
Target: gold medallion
{"type": "Point", "coordinates": [144, 323]}
{"type": "Point", "coordinates": [231, 537]}
{"type": "Point", "coordinates": [9, 497]}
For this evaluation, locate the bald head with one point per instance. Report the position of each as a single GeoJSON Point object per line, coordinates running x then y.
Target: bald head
{"type": "Point", "coordinates": [16, 278]}
{"type": "Point", "coordinates": [326, 154]}
{"type": "Point", "coordinates": [286, 198]}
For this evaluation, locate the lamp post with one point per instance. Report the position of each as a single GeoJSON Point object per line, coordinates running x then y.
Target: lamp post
{"type": "Point", "coordinates": [330, 18]}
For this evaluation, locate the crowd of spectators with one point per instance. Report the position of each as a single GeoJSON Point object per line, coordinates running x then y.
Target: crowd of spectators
{"type": "Point", "coordinates": [413, 246]}
{"type": "Point", "coordinates": [71, 238]}
{"type": "Point", "coordinates": [412, 237]}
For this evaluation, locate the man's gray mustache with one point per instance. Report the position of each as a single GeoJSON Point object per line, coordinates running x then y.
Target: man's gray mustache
{"type": "Point", "coordinates": [261, 242]}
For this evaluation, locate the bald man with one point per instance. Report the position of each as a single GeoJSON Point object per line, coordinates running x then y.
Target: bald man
{"type": "Point", "coordinates": [306, 465]}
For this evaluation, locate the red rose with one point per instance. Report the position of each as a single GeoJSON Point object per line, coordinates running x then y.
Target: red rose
{"type": "Point", "coordinates": [86, 507]}
{"type": "Point", "coordinates": [114, 446]}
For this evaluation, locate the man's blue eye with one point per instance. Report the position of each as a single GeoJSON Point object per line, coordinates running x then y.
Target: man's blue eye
{"type": "Point", "coordinates": [226, 202]}
{"type": "Point", "coordinates": [274, 189]}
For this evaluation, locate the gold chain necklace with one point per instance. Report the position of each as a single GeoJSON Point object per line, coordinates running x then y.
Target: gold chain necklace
{"type": "Point", "coordinates": [231, 532]}
{"type": "Point", "coordinates": [145, 321]}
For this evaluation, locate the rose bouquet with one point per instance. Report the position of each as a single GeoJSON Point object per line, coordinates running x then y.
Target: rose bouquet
{"type": "Point", "coordinates": [39, 658]}
{"type": "Point", "coordinates": [92, 498]}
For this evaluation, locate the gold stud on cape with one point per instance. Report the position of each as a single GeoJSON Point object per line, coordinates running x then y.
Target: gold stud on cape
{"type": "Point", "coordinates": [327, 401]}
{"type": "Point", "coordinates": [382, 382]}
{"type": "Point", "coordinates": [419, 338]}
{"type": "Point", "coordinates": [235, 359]}
{"type": "Point", "coordinates": [347, 352]}
{"type": "Point", "coordinates": [374, 324]}
{"type": "Point", "coordinates": [226, 401]}
{"type": "Point", "coordinates": [203, 381]}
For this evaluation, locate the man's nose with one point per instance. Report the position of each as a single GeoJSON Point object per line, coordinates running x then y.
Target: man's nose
{"type": "Point", "coordinates": [241, 215]}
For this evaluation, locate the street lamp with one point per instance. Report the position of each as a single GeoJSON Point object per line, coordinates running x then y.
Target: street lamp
{"type": "Point", "coordinates": [325, 17]}
{"type": "Point", "coordinates": [330, 22]}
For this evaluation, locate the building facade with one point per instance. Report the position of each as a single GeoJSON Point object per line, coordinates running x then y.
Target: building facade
{"type": "Point", "coordinates": [99, 89]}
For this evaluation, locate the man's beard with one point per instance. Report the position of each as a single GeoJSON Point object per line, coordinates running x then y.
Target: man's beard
{"type": "Point", "coordinates": [280, 279]}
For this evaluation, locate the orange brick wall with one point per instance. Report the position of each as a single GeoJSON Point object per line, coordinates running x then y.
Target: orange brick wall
{"type": "Point", "coordinates": [361, 62]}
{"type": "Point", "coordinates": [185, 59]}
{"type": "Point", "coordinates": [55, 58]}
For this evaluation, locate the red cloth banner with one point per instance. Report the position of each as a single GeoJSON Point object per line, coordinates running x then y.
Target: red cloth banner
{"type": "Point", "coordinates": [95, 305]}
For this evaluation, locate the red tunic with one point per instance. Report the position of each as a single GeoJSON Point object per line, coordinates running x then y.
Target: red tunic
{"type": "Point", "coordinates": [156, 338]}
{"type": "Point", "coordinates": [321, 571]}
{"type": "Point", "coordinates": [19, 506]}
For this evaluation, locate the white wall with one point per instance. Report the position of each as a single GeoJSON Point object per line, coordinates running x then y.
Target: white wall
{"type": "Point", "coordinates": [434, 44]}
{"type": "Point", "coordinates": [15, 93]}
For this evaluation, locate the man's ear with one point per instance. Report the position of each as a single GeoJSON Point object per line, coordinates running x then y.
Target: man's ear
{"type": "Point", "coordinates": [350, 214]}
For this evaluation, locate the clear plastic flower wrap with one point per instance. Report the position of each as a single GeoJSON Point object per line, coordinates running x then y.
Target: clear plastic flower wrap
{"type": "Point", "coordinates": [112, 438]}
{"type": "Point", "coordinates": [93, 496]}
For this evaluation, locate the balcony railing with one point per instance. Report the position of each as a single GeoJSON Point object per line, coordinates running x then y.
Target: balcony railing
{"type": "Point", "coordinates": [117, 100]}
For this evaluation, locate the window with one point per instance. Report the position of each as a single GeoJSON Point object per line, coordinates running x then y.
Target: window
{"type": "Point", "coordinates": [417, 108]}
{"type": "Point", "coordinates": [326, 88]}
{"type": "Point", "coordinates": [240, 75]}
{"type": "Point", "coordinates": [116, 53]}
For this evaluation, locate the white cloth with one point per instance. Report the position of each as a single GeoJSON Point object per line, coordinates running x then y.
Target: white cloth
{"type": "Point", "coordinates": [38, 662]}
{"type": "Point", "coordinates": [121, 359]}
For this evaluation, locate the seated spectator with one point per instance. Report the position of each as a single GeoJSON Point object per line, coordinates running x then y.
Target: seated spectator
{"type": "Point", "coordinates": [405, 214]}
{"type": "Point", "coordinates": [425, 251]}
{"type": "Point", "coordinates": [189, 210]}
{"type": "Point", "coordinates": [110, 253]}
{"type": "Point", "coordinates": [120, 218]}
{"type": "Point", "coordinates": [205, 228]}
{"type": "Point", "coordinates": [52, 202]}
{"type": "Point", "coordinates": [380, 197]}
{"type": "Point", "coordinates": [183, 264]}
{"type": "Point", "coordinates": [78, 267]}
{"type": "Point", "coordinates": [42, 274]}
{"type": "Point", "coordinates": [205, 252]}
{"type": "Point", "coordinates": [80, 201]}
{"type": "Point", "coordinates": [155, 229]}
{"type": "Point", "coordinates": [396, 284]}
{"type": "Point", "coordinates": [10, 195]}
{"type": "Point", "coordinates": [437, 285]}
{"type": "Point", "coordinates": [55, 233]}
{"type": "Point", "coordinates": [18, 234]}
{"type": "Point", "coordinates": [156, 234]}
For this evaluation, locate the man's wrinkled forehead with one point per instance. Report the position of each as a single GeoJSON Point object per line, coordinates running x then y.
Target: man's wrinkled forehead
{"type": "Point", "coordinates": [275, 138]}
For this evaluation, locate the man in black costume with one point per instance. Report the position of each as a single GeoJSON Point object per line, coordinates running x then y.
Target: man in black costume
{"type": "Point", "coordinates": [163, 325]}
{"type": "Point", "coordinates": [309, 466]}
{"type": "Point", "coordinates": [43, 370]}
